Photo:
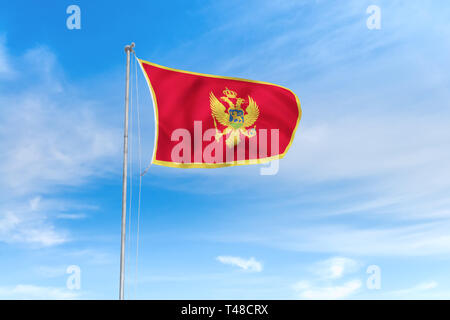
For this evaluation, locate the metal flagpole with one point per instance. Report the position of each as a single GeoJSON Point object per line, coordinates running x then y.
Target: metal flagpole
{"type": "Point", "coordinates": [128, 50]}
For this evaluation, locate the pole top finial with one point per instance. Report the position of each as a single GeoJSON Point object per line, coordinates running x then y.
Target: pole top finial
{"type": "Point", "coordinates": [129, 47]}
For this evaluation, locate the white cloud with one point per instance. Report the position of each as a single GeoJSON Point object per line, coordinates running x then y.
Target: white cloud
{"type": "Point", "coordinates": [426, 290]}
{"type": "Point", "coordinates": [335, 268]}
{"type": "Point", "coordinates": [410, 293]}
{"type": "Point", "coordinates": [8, 221]}
{"type": "Point", "coordinates": [27, 228]}
{"type": "Point", "coordinates": [29, 224]}
{"type": "Point", "coordinates": [307, 291]}
{"type": "Point", "coordinates": [426, 285]}
{"type": "Point", "coordinates": [51, 138]}
{"type": "Point", "coordinates": [364, 146]}
{"type": "Point", "coordinates": [422, 239]}
{"type": "Point", "coordinates": [34, 203]}
{"type": "Point", "coordinates": [51, 271]}
{"type": "Point", "coordinates": [410, 240]}
{"type": "Point", "coordinates": [50, 147]}
{"type": "Point", "coordinates": [246, 264]}
{"type": "Point", "coordinates": [6, 70]}
{"type": "Point", "coordinates": [326, 272]}
{"type": "Point", "coordinates": [92, 256]}
{"type": "Point", "coordinates": [23, 291]}
{"type": "Point", "coordinates": [71, 216]}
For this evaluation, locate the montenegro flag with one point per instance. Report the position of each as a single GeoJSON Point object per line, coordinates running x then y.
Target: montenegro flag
{"type": "Point", "coordinates": [207, 121]}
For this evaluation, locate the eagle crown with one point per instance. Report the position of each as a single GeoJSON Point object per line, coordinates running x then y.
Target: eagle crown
{"type": "Point", "coordinates": [229, 93]}
{"type": "Point", "coordinates": [232, 94]}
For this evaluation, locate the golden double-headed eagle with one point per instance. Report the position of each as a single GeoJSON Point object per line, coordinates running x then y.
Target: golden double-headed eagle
{"type": "Point", "coordinates": [234, 119]}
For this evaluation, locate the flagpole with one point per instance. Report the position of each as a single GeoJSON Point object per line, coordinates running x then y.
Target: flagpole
{"type": "Point", "coordinates": [128, 50]}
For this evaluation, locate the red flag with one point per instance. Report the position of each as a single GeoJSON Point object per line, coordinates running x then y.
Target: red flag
{"type": "Point", "coordinates": [207, 121]}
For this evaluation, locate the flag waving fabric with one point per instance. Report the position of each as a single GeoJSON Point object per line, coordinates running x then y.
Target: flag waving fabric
{"type": "Point", "coordinates": [206, 121]}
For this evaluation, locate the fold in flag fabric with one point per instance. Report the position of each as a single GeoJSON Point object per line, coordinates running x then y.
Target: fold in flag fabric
{"type": "Point", "coordinates": [207, 121]}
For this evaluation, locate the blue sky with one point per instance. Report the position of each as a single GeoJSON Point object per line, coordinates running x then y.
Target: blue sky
{"type": "Point", "coordinates": [366, 181]}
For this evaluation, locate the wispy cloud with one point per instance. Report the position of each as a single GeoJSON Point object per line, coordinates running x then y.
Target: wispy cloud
{"type": "Point", "coordinates": [413, 240]}
{"type": "Point", "coordinates": [324, 275]}
{"type": "Point", "coordinates": [250, 265]}
{"type": "Point", "coordinates": [305, 290]}
{"type": "Point", "coordinates": [6, 69]}
{"type": "Point", "coordinates": [51, 271]}
{"type": "Point", "coordinates": [421, 239]}
{"type": "Point", "coordinates": [51, 139]}
{"type": "Point", "coordinates": [25, 291]}
{"type": "Point", "coordinates": [418, 289]}
{"type": "Point", "coordinates": [335, 268]}
{"type": "Point", "coordinates": [52, 136]}
{"type": "Point", "coordinates": [71, 216]}
{"type": "Point", "coordinates": [424, 290]}
{"type": "Point", "coordinates": [27, 225]}
{"type": "Point", "coordinates": [91, 255]}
